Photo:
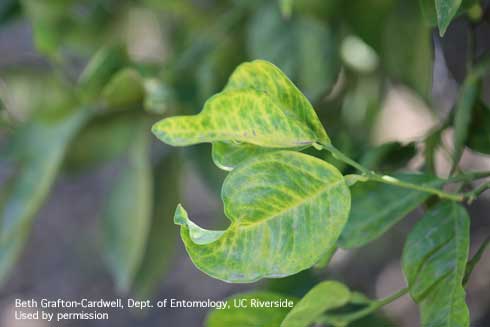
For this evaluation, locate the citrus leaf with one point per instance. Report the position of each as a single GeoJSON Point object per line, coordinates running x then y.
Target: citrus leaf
{"type": "Point", "coordinates": [479, 129]}
{"type": "Point", "coordinates": [286, 209]}
{"type": "Point", "coordinates": [101, 67]}
{"type": "Point", "coordinates": [124, 88]}
{"type": "Point", "coordinates": [126, 216]}
{"type": "Point", "coordinates": [376, 207]}
{"type": "Point", "coordinates": [286, 7]}
{"type": "Point", "coordinates": [324, 296]}
{"type": "Point", "coordinates": [470, 266]}
{"type": "Point", "coordinates": [389, 156]}
{"type": "Point", "coordinates": [38, 147]}
{"type": "Point", "coordinates": [256, 89]}
{"type": "Point", "coordinates": [467, 100]}
{"type": "Point", "coordinates": [237, 316]}
{"type": "Point", "coordinates": [407, 53]}
{"type": "Point", "coordinates": [446, 10]}
{"type": "Point", "coordinates": [312, 59]}
{"type": "Point", "coordinates": [434, 260]}
{"type": "Point", "coordinates": [103, 139]}
{"type": "Point", "coordinates": [263, 76]}
{"type": "Point", "coordinates": [162, 237]}
{"type": "Point", "coordinates": [159, 98]}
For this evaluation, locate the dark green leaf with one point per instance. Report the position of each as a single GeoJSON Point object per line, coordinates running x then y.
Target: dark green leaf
{"type": "Point", "coordinates": [479, 129]}
{"type": "Point", "coordinates": [467, 100]}
{"type": "Point", "coordinates": [376, 207]}
{"type": "Point", "coordinates": [103, 139]}
{"type": "Point", "coordinates": [237, 316]}
{"type": "Point", "coordinates": [38, 147]}
{"type": "Point", "coordinates": [127, 214]}
{"type": "Point", "coordinates": [101, 68]}
{"type": "Point", "coordinates": [407, 48]}
{"type": "Point", "coordinates": [324, 296]}
{"type": "Point", "coordinates": [389, 156]}
{"type": "Point", "coordinates": [446, 10]}
{"type": "Point", "coordinates": [434, 261]}
{"type": "Point", "coordinates": [428, 8]}
{"type": "Point", "coordinates": [125, 88]}
{"type": "Point", "coordinates": [474, 261]}
{"type": "Point", "coordinates": [311, 60]}
{"type": "Point", "coordinates": [286, 209]}
{"type": "Point", "coordinates": [161, 240]}
{"type": "Point", "coordinates": [8, 10]}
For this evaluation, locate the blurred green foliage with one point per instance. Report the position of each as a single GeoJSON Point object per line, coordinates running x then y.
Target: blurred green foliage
{"type": "Point", "coordinates": [108, 68]}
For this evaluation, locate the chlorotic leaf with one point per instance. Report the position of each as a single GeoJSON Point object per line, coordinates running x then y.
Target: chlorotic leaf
{"type": "Point", "coordinates": [252, 315]}
{"type": "Point", "coordinates": [233, 116]}
{"type": "Point", "coordinates": [324, 296]}
{"type": "Point", "coordinates": [38, 147]}
{"type": "Point", "coordinates": [259, 106]}
{"type": "Point", "coordinates": [446, 10]}
{"type": "Point", "coordinates": [434, 261]}
{"type": "Point", "coordinates": [286, 209]}
{"type": "Point", "coordinates": [126, 217]}
{"type": "Point", "coordinates": [263, 76]}
{"type": "Point", "coordinates": [376, 207]}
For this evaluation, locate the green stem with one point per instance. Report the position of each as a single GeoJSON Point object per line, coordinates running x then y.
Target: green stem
{"type": "Point", "coordinates": [472, 195]}
{"type": "Point", "coordinates": [372, 176]}
{"type": "Point", "coordinates": [372, 307]}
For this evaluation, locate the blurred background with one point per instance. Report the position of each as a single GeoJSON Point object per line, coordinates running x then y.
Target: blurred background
{"type": "Point", "coordinates": [87, 193]}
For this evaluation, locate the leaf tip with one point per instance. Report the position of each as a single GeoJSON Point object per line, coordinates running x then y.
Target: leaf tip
{"type": "Point", "coordinates": [180, 216]}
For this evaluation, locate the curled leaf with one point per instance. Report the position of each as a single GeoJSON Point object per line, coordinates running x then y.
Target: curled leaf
{"type": "Point", "coordinates": [286, 209]}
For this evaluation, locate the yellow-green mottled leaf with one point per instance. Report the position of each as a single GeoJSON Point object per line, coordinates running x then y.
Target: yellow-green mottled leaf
{"type": "Point", "coordinates": [376, 207]}
{"type": "Point", "coordinates": [263, 76]}
{"type": "Point", "coordinates": [324, 296]}
{"type": "Point", "coordinates": [285, 210]}
{"type": "Point", "coordinates": [126, 217]}
{"type": "Point", "coordinates": [125, 88]}
{"type": "Point", "coordinates": [434, 261]}
{"type": "Point", "coordinates": [244, 116]}
{"type": "Point", "coordinates": [252, 315]}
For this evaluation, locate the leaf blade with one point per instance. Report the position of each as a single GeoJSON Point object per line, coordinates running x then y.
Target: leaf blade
{"type": "Point", "coordinates": [298, 218]}
{"type": "Point", "coordinates": [126, 215]}
{"type": "Point", "coordinates": [377, 207]}
{"type": "Point", "coordinates": [324, 296]}
{"type": "Point", "coordinates": [434, 260]}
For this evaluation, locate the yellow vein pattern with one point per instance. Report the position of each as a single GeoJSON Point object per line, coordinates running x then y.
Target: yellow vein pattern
{"type": "Point", "coordinates": [286, 209]}
{"type": "Point", "coordinates": [265, 77]}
